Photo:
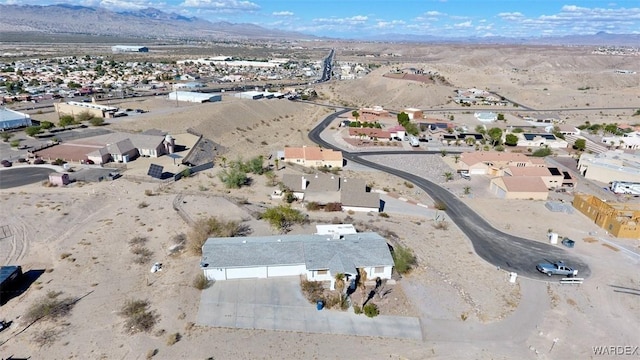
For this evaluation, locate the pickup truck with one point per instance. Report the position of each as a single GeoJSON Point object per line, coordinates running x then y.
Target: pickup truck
{"type": "Point", "coordinates": [557, 268]}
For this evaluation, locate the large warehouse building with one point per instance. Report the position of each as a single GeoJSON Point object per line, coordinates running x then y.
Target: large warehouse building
{"type": "Point", "coordinates": [129, 48]}
{"type": "Point", "coordinates": [10, 119]}
{"type": "Point", "coordinates": [194, 97]}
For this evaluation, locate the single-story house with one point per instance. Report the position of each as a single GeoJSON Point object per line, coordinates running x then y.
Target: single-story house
{"type": "Point", "coordinates": [369, 134]}
{"type": "Point", "coordinates": [313, 156]}
{"type": "Point", "coordinates": [122, 151]}
{"type": "Point", "coordinates": [397, 131]}
{"type": "Point", "coordinates": [318, 257]}
{"type": "Point", "coordinates": [542, 139]}
{"type": "Point", "coordinates": [355, 197]}
{"type": "Point", "coordinates": [519, 187]}
{"type": "Point", "coordinates": [494, 162]}
{"type": "Point", "coordinates": [414, 114]}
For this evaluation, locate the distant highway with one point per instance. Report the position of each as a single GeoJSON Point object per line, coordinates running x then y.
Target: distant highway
{"type": "Point", "coordinates": [509, 252]}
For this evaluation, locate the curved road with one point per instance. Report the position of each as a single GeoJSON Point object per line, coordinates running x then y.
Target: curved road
{"type": "Point", "coordinates": [506, 251]}
{"type": "Point", "coordinates": [23, 175]}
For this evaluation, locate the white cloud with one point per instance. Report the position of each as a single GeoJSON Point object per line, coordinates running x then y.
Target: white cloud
{"type": "Point", "coordinates": [466, 24]}
{"type": "Point", "coordinates": [389, 24]}
{"type": "Point", "coordinates": [354, 20]}
{"type": "Point", "coordinates": [511, 16]}
{"type": "Point", "coordinates": [434, 13]}
{"type": "Point", "coordinates": [221, 5]}
{"type": "Point", "coordinates": [282, 13]}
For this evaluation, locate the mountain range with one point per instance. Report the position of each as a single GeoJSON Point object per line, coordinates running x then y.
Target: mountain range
{"type": "Point", "coordinates": [155, 24]}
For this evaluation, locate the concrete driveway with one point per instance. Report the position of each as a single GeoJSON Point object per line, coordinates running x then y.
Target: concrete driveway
{"type": "Point", "coordinates": [278, 304]}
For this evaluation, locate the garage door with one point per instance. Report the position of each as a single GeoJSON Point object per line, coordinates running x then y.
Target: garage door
{"type": "Point", "coordinates": [247, 273]}
{"type": "Point", "coordinates": [498, 191]}
{"type": "Point", "coordinates": [477, 171]}
{"type": "Point", "coordinates": [274, 271]}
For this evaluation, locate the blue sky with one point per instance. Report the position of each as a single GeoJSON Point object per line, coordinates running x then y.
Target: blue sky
{"type": "Point", "coordinates": [362, 18]}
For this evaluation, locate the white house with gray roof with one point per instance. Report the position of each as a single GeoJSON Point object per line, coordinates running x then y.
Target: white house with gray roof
{"type": "Point", "coordinates": [318, 257]}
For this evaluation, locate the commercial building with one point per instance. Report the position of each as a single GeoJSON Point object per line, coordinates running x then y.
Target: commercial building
{"type": "Point", "coordinates": [620, 220]}
{"type": "Point", "coordinates": [74, 108]}
{"type": "Point", "coordinates": [610, 166]}
{"type": "Point", "coordinates": [129, 48]}
{"type": "Point", "coordinates": [10, 119]}
{"type": "Point", "coordinates": [250, 95]}
{"type": "Point", "coordinates": [194, 97]}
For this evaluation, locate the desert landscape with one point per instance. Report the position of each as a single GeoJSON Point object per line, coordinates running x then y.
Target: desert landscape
{"type": "Point", "coordinates": [80, 239]}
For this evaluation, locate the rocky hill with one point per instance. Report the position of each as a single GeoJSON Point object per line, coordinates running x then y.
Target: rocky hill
{"type": "Point", "coordinates": [147, 23]}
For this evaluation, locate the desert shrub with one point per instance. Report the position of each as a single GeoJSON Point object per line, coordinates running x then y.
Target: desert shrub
{"type": "Point", "coordinates": [371, 310]}
{"type": "Point", "coordinates": [312, 290]}
{"type": "Point", "coordinates": [440, 205]}
{"type": "Point", "coordinates": [46, 337]}
{"type": "Point", "coordinates": [50, 307]}
{"type": "Point", "coordinates": [313, 206]}
{"type": "Point", "coordinates": [333, 206]}
{"type": "Point", "coordinates": [357, 309]}
{"type": "Point", "coordinates": [85, 116]}
{"type": "Point", "coordinates": [205, 228]}
{"type": "Point", "coordinates": [138, 240]}
{"type": "Point", "coordinates": [408, 184]}
{"type": "Point", "coordinates": [151, 353]}
{"type": "Point", "coordinates": [138, 317]}
{"type": "Point", "coordinates": [148, 192]}
{"type": "Point", "coordinates": [383, 214]}
{"type": "Point", "coordinates": [289, 197]}
{"type": "Point", "coordinates": [143, 255]}
{"type": "Point", "coordinates": [403, 259]}
{"type": "Point", "coordinates": [542, 152]}
{"type": "Point", "coordinates": [58, 162]}
{"type": "Point", "coordinates": [14, 143]}
{"type": "Point", "coordinates": [201, 282]}
{"type": "Point", "coordinates": [173, 338]}
{"type": "Point", "coordinates": [282, 217]}
{"type": "Point", "coordinates": [96, 121]}
{"type": "Point", "coordinates": [143, 205]}
{"type": "Point", "coordinates": [233, 178]}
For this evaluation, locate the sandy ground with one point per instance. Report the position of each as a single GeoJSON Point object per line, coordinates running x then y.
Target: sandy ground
{"type": "Point", "coordinates": [79, 235]}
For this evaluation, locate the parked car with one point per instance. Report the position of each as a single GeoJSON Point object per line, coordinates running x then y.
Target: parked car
{"type": "Point", "coordinates": [556, 268]}
{"type": "Point", "coordinates": [6, 163]}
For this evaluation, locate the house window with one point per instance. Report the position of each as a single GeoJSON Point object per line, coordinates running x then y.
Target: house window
{"type": "Point", "coordinates": [378, 270]}
{"type": "Point", "coordinates": [322, 272]}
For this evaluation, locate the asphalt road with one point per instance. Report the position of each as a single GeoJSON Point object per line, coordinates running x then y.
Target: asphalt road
{"type": "Point", "coordinates": [23, 175]}
{"type": "Point", "coordinates": [509, 252]}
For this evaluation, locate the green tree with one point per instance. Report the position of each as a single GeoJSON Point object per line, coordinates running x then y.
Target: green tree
{"type": "Point", "coordinates": [6, 136]}
{"type": "Point", "coordinates": [33, 130]}
{"type": "Point", "coordinates": [282, 217]}
{"type": "Point", "coordinates": [46, 125]}
{"type": "Point", "coordinates": [403, 118]}
{"type": "Point", "coordinates": [580, 144]}
{"type": "Point", "coordinates": [233, 178]}
{"type": "Point", "coordinates": [501, 117]}
{"type": "Point", "coordinates": [495, 134]}
{"type": "Point", "coordinates": [403, 259]}
{"type": "Point", "coordinates": [256, 165]}
{"type": "Point", "coordinates": [66, 120]}
{"type": "Point", "coordinates": [480, 129]}
{"type": "Point", "coordinates": [355, 114]}
{"type": "Point", "coordinates": [85, 116]}
{"type": "Point", "coordinates": [96, 121]}
{"type": "Point", "coordinates": [511, 140]}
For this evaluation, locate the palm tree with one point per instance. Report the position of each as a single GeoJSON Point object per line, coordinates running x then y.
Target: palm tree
{"type": "Point", "coordinates": [277, 162]}
{"type": "Point", "coordinates": [362, 279]}
{"type": "Point", "coordinates": [340, 282]}
{"type": "Point", "coordinates": [467, 190]}
{"type": "Point", "coordinates": [456, 157]}
{"type": "Point", "coordinates": [448, 176]}
{"type": "Point", "coordinates": [469, 140]}
{"type": "Point", "coordinates": [355, 114]}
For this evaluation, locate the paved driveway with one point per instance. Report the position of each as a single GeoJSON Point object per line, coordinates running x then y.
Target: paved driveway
{"type": "Point", "coordinates": [278, 304]}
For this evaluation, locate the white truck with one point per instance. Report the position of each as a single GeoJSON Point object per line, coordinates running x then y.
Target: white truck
{"type": "Point", "coordinates": [413, 141]}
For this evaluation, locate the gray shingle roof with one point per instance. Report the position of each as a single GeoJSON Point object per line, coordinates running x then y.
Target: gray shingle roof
{"type": "Point", "coordinates": [317, 252]}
